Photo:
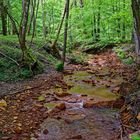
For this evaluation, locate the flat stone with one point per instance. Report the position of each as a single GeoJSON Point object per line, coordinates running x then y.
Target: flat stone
{"type": "Point", "coordinates": [61, 106]}
{"type": "Point", "coordinates": [88, 104]}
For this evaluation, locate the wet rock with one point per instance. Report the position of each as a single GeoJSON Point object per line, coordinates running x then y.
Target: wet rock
{"type": "Point", "coordinates": [75, 117]}
{"type": "Point", "coordinates": [84, 95]}
{"type": "Point", "coordinates": [61, 106]}
{"type": "Point", "coordinates": [76, 137]}
{"type": "Point", "coordinates": [88, 104]}
{"type": "Point", "coordinates": [5, 138]}
{"type": "Point", "coordinates": [62, 94]}
{"type": "Point", "coordinates": [45, 132]}
{"type": "Point", "coordinates": [118, 103]}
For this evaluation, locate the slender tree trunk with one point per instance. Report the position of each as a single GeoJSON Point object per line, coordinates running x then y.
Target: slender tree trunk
{"type": "Point", "coordinates": [54, 48]}
{"type": "Point", "coordinates": [3, 18]}
{"type": "Point", "coordinates": [98, 24]}
{"type": "Point", "coordinates": [34, 21]}
{"type": "Point", "coordinates": [65, 32]}
{"type": "Point", "coordinates": [81, 3]}
{"type": "Point", "coordinates": [14, 24]}
{"type": "Point", "coordinates": [124, 26]}
{"type": "Point", "coordinates": [44, 19]}
{"type": "Point", "coordinates": [23, 29]}
{"type": "Point", "coordinates": [136, 15]}
{"type": "Point", "coordinates": [118, 29]}
{"type": "Point", "coordinates": [32, 7]}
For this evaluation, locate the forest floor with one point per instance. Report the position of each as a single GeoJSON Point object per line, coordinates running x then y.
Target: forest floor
{"type": "Point", "coordinates": [82, 103]}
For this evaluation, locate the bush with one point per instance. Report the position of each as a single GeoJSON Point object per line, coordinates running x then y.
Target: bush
{"type": "Point", "coordinates": [135, 137]}
{"type": "Point", "coordinates": [59, 66]}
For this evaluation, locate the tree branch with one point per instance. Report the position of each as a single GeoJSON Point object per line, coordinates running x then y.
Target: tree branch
{"type": "Point", "coordinates": [10, 58]}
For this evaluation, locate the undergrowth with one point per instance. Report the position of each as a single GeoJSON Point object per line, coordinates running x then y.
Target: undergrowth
{"type": "Point", "coordinates": [9, 70]}
{"type": "Point", "coordinates": [124, 55]}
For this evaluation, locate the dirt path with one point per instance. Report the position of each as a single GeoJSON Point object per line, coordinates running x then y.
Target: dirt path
{"type": "Point", "coordinates": [79, 104]}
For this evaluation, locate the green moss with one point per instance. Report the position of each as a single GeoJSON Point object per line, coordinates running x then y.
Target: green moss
{"type": "Point", "coordinates": [89, 90]}
{"type": "Point", "coordinates": [50, 105]}
{"type": "Point", "coordinates": [9, 70]}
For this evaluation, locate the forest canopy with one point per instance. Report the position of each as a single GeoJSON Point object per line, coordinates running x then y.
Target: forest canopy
{"type": "Point", "coordinates": [90, 20]}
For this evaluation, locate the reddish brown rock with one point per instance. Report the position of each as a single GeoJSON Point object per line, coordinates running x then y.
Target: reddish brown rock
{"type": "Point", "coordinates": [63, 94]}
{"type": "Point", "coordinates": [61, 106]}
{"type": "Point", "coordinates": [76, 137]}
{"type": "Point", "coordinates": [88, 104]}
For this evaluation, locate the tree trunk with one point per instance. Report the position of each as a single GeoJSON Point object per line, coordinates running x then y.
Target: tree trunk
{"type": "Point", "coordinates": [27, 58]}
{"type": "Point", "coordinates": [124, 26]}
{"type": "Point", "coordinates": [44, 19]}
{"type": "Point", "coordinates": [54, 48]}
{"type": "Point", "coordinates": [136, 15]}
{"type": "Point", "coordinates": [32, 7]}
{"type": "Point", "coordinates": [34, 21]}
{"type": "Point", "coordinates": [3, 18]}
{"type": "Point", "coordinates": [66, 31]}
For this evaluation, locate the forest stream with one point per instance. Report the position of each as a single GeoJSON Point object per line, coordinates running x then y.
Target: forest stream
{"type": "Point", "coordinates": [78, 121]}
{"type": "Point", "coordinates": [81, 103]}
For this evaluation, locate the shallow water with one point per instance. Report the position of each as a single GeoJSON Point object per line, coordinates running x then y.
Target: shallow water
{"type": "Point", "coordinates": [85, 124]}
{"type": "Point", "coordinates": [80, 87]}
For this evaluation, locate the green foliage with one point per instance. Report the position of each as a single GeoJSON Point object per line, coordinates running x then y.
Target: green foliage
{"type": "Point", "coordinates": [115, 19]}
{"type": "Point", "coordinates": [99, 21]}
{"type": "Point", "coordinates": [9, 71]}
{"type": "Point", "coordinates": [122, 55]}
{"type": "Point", "coordinates": [25, 73]}
{"type": "Point", "coordinates": [77, 58]}
{"type": "Point", "coordinates": [126, 59]}
{"type": "Point", "coordinates": [135, 137]}
{"type": "Point", "coordinates": [59, 66]}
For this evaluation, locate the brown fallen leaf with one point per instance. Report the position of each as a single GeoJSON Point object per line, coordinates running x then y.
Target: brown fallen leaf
{"type": "Point", "coordinates": [18, 130]}
{"type": "Point", "coordinates": [3, 104]}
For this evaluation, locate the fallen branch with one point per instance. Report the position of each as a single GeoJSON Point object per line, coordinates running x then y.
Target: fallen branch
{"type": "Point", "coordinates": [10, 58]}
